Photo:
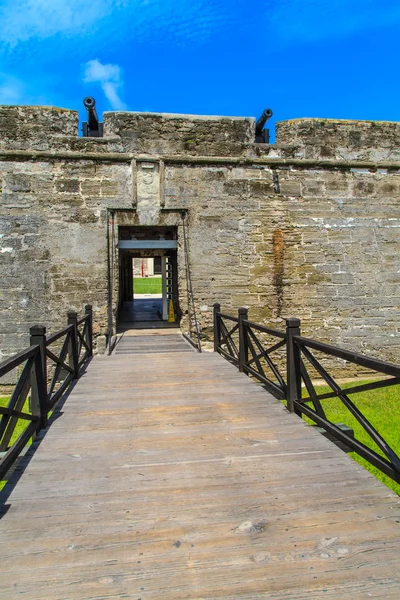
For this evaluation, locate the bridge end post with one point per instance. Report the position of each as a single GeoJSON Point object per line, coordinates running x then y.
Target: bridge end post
{"type": "Point", "coordinates": [89, 312]}
{"type": "Point", "coordinates": [243, 315]}
{"type": "Point", "coordinates": [73, 344]}
{"type": "Point", "coordinates": [38, 399]}
{"type": "Point", "coordinates": [217, 330]}
{"type": "Point", "coordinates": [293, 364]}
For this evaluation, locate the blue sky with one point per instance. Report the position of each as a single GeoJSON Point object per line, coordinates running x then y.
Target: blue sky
{"type": "Point", "coordinates": [302, 58]}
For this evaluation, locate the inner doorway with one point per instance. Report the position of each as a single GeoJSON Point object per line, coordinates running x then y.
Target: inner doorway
{"type": "Point", "coordinates": [148, 282]}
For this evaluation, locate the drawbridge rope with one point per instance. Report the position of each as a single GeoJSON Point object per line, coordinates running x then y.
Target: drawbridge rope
{"type": "Point", "coordinates": [190, 287]}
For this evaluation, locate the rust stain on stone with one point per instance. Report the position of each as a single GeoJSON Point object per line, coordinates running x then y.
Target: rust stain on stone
{"type": "Point", "coordinates": [278, 247]}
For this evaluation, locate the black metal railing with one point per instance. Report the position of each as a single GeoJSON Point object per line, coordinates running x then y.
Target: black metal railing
{"type": "Point", "coordinates": [289, 374]}
{"type": "Point", "coordinates": [46, 370]}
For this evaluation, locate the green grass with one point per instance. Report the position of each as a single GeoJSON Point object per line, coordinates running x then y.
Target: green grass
{"type": "Point", "coordinates": [19, 428]}
{"type": "Point", "coordinates": [147, 285]}
{"type": "Point", "coordinates": [382, 409]}
{"type": "Point", "coordinates": [21, 424]}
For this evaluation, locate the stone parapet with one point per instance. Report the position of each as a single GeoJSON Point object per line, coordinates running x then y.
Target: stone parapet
{"type": "Point", "coordinates": [25, 127]}
{"type": "Point", "coordinates": [159, 133]}
{"type": "Point", "coordinates": [341, 139]}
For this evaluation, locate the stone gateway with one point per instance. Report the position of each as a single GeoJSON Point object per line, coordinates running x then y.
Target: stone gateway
{"type": "Point", "coordinates": [305, 227]}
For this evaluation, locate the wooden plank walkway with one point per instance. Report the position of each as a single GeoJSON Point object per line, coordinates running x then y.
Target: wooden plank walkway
{"type": "Point", "coordinates": [172, 341]}
{"type": "Point", "coordinates": [173, 476]}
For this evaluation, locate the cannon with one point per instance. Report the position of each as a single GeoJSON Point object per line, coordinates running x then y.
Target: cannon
{"type": "Point", "coordinates": [262, 135]}
{"type": "Point", "coordinates": [92, 127]}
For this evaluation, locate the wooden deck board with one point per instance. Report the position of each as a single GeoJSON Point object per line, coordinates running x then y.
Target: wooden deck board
{"type": "Point", "coordinates": [140, 344]}
{"type": "Point", "coordinates": [173, 476]}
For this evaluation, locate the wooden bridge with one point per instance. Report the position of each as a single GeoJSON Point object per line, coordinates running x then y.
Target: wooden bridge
{"type": "Point", "coordinates": [171, 475]}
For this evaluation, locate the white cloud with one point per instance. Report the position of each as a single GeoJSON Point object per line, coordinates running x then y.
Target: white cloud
{"type": "Point", "coordinates": [22, 20]}
{"type": "Point", "coordinates": [187, 21]}
{"type": "Point", "coordinates": [110, 79]}
{"type": "Point", "coordinates": [190, 20]}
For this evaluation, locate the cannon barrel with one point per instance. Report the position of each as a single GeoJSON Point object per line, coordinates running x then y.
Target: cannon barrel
{"type": "Point", "coordinates": [93, 128]}
{"type": "Point", "coordinates": [267, 114]}
{"type": "Point", "coordinates": [90, 105]}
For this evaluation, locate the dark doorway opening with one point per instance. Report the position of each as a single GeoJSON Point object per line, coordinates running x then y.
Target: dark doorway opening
{"type": "Point", "coordinates": [148, 278]}
{"type": "Point", "coordinates": [157, 265]}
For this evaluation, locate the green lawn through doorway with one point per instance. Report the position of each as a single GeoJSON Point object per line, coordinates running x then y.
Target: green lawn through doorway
{"type": "Point", "coordinates": [147, 285]}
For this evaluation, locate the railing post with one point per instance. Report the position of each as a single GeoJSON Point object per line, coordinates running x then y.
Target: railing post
{"type": "Point", "coordinates": [243, 315]}
{"type": "Point", "coordinates": [38, 399]}
{"type": "Point", "coordinates": [89, 311]}
{"type": "Point", "coordinates": [217, 330]}
{"type": "Point", "coordinates": [73, 343]}
{"type": "Point", "coordinates": [293, 364]}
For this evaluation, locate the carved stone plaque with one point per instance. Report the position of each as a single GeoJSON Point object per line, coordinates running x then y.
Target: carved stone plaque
{"type": "Point", "coordinates": [148, 192]}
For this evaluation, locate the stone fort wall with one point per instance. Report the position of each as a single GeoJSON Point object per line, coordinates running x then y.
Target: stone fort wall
{"type": "Point", "coordinates": [306, 227]}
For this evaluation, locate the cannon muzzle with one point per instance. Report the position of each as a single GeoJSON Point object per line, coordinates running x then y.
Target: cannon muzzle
{"type": "Point", "coordinates": [262, 135]}
{"type": "Point", "coordinates": [92, 127]}
{"type": "Point", "coordinates": [89, 102]}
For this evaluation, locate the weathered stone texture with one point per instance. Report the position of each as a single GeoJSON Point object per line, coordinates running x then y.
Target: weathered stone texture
{"type": "Point", "coordinates": [24, 127]}
{"type": "Point", "coordinates": [332, 261]}
{"type": "Point", "coordinates": [152, 133]}
{"type": "Point", "coordinates": [315, 241]}
{"type": "Point", "coordinates": [54, 258]}
{"type": "Point", "coordinates": [341, 139]}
